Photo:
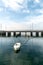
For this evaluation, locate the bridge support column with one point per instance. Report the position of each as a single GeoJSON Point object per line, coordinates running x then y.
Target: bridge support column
{"type": "Point", "coordinates": [41, 34]}
{"type": "Point", "coordinates": [31, 34]}
{"type": "Point", "coordinates": [8, 34]}
{"type": "Point", "coordinates": [0, 34]}
{"type": "Point", "coordinates": [3, 34]}
{"type": "Point", "coordinates": [12, 34]}
{"type": "Point", "coordinates": [37, 34]}
{"type": "Point", "coordinates": [28, 34]}
{"type": "Point", "coordinates": [34, 34]}
{"type": "Point", "coordinates": [17, 34]}
{"type": "Point", "coordinates": [23, 34]}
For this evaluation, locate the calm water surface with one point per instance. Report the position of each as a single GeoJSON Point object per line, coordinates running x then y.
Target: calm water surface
{"type": "Point", "coordinates": [31, 52]}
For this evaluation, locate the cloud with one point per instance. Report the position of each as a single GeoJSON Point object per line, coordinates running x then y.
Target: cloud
{"type": "Point", "coordinates": [36, 22]}
{"type": "Point", "coordinates": [26, 11]}
{"type": "Point", "coordinates": [13, 4]}
{"type": "Point", "coordinates": [34, 19]}
{"type": "Point", "coordinates": [30, 23]}
{"type": "Point", "coordinates": [37, 1]}
{"type": "Point", "coordinates": [23, 6]}
{"type": "Point", "coordinates": [17, 5]}
{"type": "Point", "coordinates": [12, 25]}
{"type": "Point", "coordinates": [1, 9]}
{"type": "Point", "coordinates": [39, 11]}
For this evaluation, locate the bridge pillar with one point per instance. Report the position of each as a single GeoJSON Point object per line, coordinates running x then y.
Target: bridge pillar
{"type": "Point", "coordinates": [37, 34]}
{"type": "Point", "coordinates": [28, 34]}
{"type": "Point", "coordinates": [0, 34]}
{"type": "Point", "coordinates": [12, 34]}
{"type": "Point", "coordinates": [33, 34]}
{"type": "Point", "coordinates": [8, 34]}
{"type": "Point", "coordinates": [3, 34]}
{"type": "Point", "coordinates": [17, 34]}
{"type": "Point", "coordinates": [41, 34]}
{"type": "Point", "coordinates": [23, 34]}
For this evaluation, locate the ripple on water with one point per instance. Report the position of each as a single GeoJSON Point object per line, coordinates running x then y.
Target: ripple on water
{"type": "Point", "coordinates": [31, 52]}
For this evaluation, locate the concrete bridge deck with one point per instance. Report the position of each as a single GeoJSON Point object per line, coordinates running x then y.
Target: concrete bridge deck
{"type": "Point", "coordinates": [30, 33]}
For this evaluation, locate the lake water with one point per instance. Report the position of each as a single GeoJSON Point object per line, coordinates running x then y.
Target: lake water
{"type": "Point", "coordinates": [31, 52]}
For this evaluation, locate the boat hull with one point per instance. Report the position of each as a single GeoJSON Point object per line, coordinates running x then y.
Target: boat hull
{"type": "Point", "coordinates": [17, 47]}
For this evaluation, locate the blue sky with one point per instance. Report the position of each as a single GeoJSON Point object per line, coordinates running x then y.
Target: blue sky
{"type": "Point", "coordinates": [21, 14]}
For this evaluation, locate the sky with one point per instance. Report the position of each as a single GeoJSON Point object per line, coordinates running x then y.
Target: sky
{"type": "Point", "coordinates": [21, 14]}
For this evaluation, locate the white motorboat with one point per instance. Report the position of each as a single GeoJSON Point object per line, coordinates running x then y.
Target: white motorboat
{"type": "Point", "coordinates": [17, 46]}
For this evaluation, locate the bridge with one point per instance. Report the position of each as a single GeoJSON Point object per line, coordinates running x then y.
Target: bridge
{"type": "Point", "coordinates": [30, 33]}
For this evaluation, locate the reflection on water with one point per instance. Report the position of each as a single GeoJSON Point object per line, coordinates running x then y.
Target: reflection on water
{"type": "Point", "coordinates": [31, 52]}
